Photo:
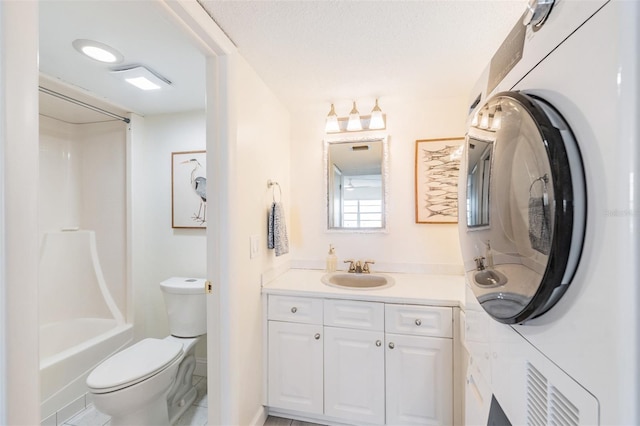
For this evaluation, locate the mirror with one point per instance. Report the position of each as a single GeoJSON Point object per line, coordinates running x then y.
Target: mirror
{"type": "Point", "coordinates": [479, 154]}
{"type": "Point", "coordinates": [356, 172]}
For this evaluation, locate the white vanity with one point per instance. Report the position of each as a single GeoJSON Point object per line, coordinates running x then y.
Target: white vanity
{"type": "Point", "coordinates": [363, 356]}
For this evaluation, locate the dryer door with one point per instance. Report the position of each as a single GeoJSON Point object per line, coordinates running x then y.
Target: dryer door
{"type": "Point", "coordinates": [522, 206]}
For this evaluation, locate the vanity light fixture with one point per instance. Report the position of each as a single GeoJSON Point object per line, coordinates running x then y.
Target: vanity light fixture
{"type": "Point", "coordinates": [142, 77]}
{"type": "Point", "coordinates": [354, 123]}
{"type": "Point", "coordinates": [377, 120]}
{"type": "Point", "coordinates": [332, 125]}
{"type": "Point", "coordinates": [496, 121]}
{"type": "Point", "coordinates": [97, 51]}
{"type": "Point", "coordinates": [484, 120]}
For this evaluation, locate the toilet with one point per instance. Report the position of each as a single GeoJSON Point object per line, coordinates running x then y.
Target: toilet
{"type": "Point", "coordinates": [150, 382]}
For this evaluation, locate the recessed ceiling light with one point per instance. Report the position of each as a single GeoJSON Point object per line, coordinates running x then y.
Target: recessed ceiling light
{"type": "Point", "coordinates": [142, 77]}
{"type": "Point", "coordinates": [98, 51]}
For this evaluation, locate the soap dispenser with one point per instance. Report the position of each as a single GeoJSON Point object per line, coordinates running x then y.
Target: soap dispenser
{"type": "Point", "coordinates": [332, 260]}
{"type": "Point", "coordinates": [489, 255]}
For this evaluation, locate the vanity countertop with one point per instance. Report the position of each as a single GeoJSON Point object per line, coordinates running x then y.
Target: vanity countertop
{"type": "Point", "coordinates": [434, 290]}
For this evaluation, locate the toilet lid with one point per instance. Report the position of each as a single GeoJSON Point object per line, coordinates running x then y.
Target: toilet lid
{"type": "Point", "coordinates": [134, 364]}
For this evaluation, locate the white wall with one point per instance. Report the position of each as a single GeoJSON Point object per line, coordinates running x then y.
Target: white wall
{"type": "Point", "coordinates": [258, 151]}
{"type": "Point", "coordinates": [159, 251]}
{"type": "Point", "coordinates": [406, 246]}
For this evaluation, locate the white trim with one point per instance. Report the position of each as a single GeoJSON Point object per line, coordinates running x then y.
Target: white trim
{"type": "Point", "coordinates": [19, 38]}
{"type": "Point", "coordinates": [210, 38]}
{"type": "Point", "coordinates": [3, 310]}
{"type": "Point", "coordinates": [260, 416]}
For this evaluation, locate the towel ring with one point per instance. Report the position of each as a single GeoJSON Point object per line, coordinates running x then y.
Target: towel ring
{"type": "Point", "coordinates": [544, 179]}
{"type": "Point", "coordinates": [271, 184]}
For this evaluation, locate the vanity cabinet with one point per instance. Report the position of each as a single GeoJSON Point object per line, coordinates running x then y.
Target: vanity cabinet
{"type": "Point", "coordinates": [360, 362]}
{"type": "Point", "coordinates": [354, 361]}
{"type": "Point", "coordinates": [419, 365]}
{"type": "Point", "coordinates": [295, 354]}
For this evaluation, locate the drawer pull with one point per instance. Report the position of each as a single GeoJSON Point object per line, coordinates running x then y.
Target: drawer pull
{"type": "Point", "coordinates": [317, 336]}
{"type": "Point", "coordinates": [418, 322]}
{"type": "Point", "coordinates": [391, 345]}
{"type": "Point", "coordinates": [294, 310]}
{"type": "Point", "coordinates": [378, 343]}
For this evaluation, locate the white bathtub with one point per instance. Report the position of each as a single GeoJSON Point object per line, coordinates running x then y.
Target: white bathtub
{"type": "Point", "coordinates": [69, 350]}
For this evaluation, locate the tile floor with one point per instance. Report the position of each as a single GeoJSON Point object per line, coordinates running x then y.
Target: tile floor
{"type": "Point", "coordinates": [196, 415]}
{"type": "Point", "coordinates": [279, 421]}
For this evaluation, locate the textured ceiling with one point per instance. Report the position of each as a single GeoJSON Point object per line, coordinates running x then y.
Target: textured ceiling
{"type": "Point", "coordinates": [306, 51]}
{"type": "Point", "coordinates": [322, 51]}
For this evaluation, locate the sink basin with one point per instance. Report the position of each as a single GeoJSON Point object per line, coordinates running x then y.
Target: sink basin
{"type": "Point", "coordinates": [358, 281]}
{"type": "Point", "coordinates": [490, 278]}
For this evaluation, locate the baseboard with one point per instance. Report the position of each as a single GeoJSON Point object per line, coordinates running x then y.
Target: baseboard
{"type": "Point", "coordinates": [260, 417]}
{"type": "Point", "coordinates": [201, 367]}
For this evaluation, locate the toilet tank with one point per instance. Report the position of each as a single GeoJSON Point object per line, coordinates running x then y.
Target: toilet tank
{"type": "Point", "coordinates": [186, 306]}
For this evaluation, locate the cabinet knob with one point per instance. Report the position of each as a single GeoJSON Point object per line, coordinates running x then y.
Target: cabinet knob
{"type": "Point", "coordinates": [378, 343]}
{"type": "Point", "coordinates": [294, 310]}
{"type": "Point", "coordinates": [317, 336]}
{"type": "Point", "coordinates": [391, 345]}
{"type": "Point", "coordinates": [418, 322]}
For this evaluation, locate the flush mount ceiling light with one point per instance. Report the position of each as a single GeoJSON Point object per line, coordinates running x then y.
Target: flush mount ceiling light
{"type": "Point", "coordinates": [332, 125]}
{"type": "Point", "coordinates": [98, 51]}
{"type": "Point", "coordinates": [142, 77]}
{"type": "Point", "coordinates": [354, 123]}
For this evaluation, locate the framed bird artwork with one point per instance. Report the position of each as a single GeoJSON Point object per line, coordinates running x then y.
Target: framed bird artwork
{"type": "Point", "coordinates": [188, 189]}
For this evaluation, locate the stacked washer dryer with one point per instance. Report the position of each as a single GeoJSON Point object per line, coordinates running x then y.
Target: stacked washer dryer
{"type": "Point", "coordinates": [550, 220]}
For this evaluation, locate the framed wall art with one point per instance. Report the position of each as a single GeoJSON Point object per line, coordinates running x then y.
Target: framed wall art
{"type": "Point", "coordinates": [436, 179]}
{"type": "Point", "coordinates": [188, 189]}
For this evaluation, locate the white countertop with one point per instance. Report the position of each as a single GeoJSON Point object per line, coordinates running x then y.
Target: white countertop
{"type": "Point", "coordinates": [434, 290]}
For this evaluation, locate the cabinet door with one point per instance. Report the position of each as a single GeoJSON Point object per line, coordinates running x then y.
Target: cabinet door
{"type": "Point", "coordinates": [419, 373]}
{"type": "Point", "coordinates": [295, 366]}
{"type": "Point", "coordinates": [354, 375]}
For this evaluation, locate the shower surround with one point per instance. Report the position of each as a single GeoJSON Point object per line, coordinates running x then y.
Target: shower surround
{"type": "Point", "coordinates": [83, 255]}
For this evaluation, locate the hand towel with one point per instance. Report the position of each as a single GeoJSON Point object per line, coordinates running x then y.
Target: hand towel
{"type": "Point", "coordinates": [539, 225]}
{"type": "Point", "coordinates": [277, 230]}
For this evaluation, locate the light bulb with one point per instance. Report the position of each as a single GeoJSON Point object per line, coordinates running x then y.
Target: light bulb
{"type": "Point", "coordinates": [332, 125]}
{"type": "Point", "coordinates": [354, 123]}
{"type": "Point", "coordinates": [377, 120]}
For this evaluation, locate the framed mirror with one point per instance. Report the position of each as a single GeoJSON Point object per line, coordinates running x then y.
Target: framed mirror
{"type": "Point", "coordinates": [356, 172]}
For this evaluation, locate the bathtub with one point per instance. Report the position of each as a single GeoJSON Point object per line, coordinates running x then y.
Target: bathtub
{"type": "Point", "coordinates": [69, 350]}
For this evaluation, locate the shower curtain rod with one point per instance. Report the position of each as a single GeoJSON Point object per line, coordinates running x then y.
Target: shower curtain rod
{"type": "Point", "coordinates": [83, 104]}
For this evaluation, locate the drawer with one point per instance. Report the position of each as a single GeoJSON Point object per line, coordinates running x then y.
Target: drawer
{"type": "Point", "coordinates": [354, 314]}
{"type": "Point", "coordinates": [295, 309]}
{"type": "Point", "coordinates": [419, 320]}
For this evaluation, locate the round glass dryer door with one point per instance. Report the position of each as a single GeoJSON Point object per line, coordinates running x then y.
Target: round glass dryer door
{"type": "Point", "coordinates": [522, 206]}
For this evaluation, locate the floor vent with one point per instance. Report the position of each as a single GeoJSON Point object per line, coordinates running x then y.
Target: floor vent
{"type": "Point", "coordinates": [546, 405]}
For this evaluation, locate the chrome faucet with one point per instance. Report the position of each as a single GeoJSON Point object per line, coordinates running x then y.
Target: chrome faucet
{"type": "Point", "coordinates": [479, 263]}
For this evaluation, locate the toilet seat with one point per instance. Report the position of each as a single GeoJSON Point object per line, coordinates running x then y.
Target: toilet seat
{"type": "Point", "coordinates": [135, 364]}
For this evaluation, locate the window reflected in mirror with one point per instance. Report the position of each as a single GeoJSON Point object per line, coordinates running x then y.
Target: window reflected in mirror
{"type": "Point", "coordinates": [356, 184]}
{"type": "Point", "coordinates": [479, 154]}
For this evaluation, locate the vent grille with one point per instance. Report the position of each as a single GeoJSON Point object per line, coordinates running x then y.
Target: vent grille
{"type": "Point", "coordinates": [546, 405]}
{"type": "Point", "coordinates": [536, 397]}
{"type": "Point", "coordinates": [561, 410]}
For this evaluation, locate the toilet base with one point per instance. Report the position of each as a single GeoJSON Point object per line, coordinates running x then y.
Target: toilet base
{"type": "Point", "coordinates": [179, 408]}
{"type": "Point", "coordinates": [155, 414]}
{"type": "Point", "coordinates": [182, 392]}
